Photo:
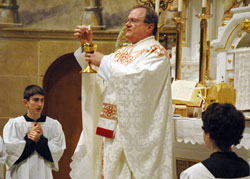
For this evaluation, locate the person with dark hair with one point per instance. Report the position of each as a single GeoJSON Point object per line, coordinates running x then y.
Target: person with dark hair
{"type": "Point", "coordinates": [32, 90]}
{"type": "Point", "coordinates": [128, 103]}
{"type": "Point", "coordinates": [34, 142]}
{"type": "Point", "coordinates": [223, 127]}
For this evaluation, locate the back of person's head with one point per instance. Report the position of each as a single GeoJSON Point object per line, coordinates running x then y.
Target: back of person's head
{"type": "Point", "coordinates": [32, 90]}
{"type": "Point", "coordinates": [224, 123]}
{"type": "Point", "coordinates": [150, 18]}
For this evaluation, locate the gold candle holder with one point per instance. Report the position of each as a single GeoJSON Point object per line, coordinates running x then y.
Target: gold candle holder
{"type": "Point", "coordinates": [179, 31]}
{"type": "Point", "coordinates": [203, 45]}
{"type": "Point", "coordinates": [208, 61]}
{"type": "Point", "coordinates": [88, 48]}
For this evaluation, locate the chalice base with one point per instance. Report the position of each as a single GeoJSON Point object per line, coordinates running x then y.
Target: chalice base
{"type": "Point", "coordinates": [88, 69]}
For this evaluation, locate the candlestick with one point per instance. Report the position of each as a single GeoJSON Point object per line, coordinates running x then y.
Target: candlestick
{"type": "Point", "coordinates": [179, 30]}
{"type": "Point", "coordinates": [203, 44]}
{"type": "Point", "coordinates": [208, 28]}
{"type": "Point", "coordinates": [157, 7]}
{"type": "Point", "coordinates": [180, 5]}
{"type": "Point", "coordinates": [204, 3]}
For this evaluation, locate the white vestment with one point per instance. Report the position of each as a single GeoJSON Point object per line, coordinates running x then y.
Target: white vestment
{"type": "Point", "coordinates": [2, 157]}
{"type": "Point", "coordinates": [136, 79]}
{"type": "Point", "coordinates": [35, 166]}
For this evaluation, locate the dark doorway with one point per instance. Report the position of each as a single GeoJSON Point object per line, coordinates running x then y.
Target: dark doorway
{"type": "Point", "coordinates": [62, 86]}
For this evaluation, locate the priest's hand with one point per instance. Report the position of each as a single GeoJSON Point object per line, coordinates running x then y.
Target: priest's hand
{"type": "Point", "coordinates": [94, 58]}
{"type": "Point", "coordinates": [84, 34]}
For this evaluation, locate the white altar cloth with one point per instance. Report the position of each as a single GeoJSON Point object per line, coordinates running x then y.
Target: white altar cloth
{"type": "Point", "coordinates": [188, 130]}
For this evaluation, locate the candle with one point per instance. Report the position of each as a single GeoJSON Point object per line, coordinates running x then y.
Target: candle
{"type": "Point", "coordinates": [179, 5]}
{"type": "Point", "coordinates": [204, 3]}
{"type": "Point", "coordinates": [157, 6]}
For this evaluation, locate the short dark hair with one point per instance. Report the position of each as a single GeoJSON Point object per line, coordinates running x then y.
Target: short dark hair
{"type": "Point", "coordinates": [224, 123]}
{"type": "Point", "coordinates": [150, 18]}
{"type": "Point", "coordinates": [32, 90]}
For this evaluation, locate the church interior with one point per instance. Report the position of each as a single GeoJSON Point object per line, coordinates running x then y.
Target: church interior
{"type": "Point", "coordinates": [208, 42]}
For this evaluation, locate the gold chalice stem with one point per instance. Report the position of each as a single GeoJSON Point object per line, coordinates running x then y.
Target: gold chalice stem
{"type": "Point", "coordinates": [88, 69]}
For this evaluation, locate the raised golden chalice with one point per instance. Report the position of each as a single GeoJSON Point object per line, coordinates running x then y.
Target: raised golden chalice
{"type": "Point", "coordinates": [89, 48]}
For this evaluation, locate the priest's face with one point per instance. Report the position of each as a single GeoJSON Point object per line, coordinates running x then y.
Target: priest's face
{"type": "Point", "coordinates": [136, 29]}
{"type": "Point", "coordinates": [35, 106]}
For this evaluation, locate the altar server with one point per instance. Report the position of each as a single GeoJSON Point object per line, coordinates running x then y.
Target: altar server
{"type": "Point", "coordinates": [2, 157]}
{"type": "Point", "coordinates": [223, 127]}
{"type": "Point", "coordinates": [2, 151]}
{"type": "Point", "coordinates": [34, 142]}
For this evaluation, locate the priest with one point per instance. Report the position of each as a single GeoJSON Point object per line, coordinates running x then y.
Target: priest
{"type": "Point", "coordinates": [126, 106]}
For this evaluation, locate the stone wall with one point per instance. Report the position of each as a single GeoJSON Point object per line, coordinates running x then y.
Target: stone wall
{"type": "Point", "coordinates": [66, 14]}
{"type": "Point", "coordinates": [26, 54]}
{"type": "Point", "coordinates": [44, 34]}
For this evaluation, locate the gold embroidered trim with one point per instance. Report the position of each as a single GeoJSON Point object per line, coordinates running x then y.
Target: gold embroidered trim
{"type": "Point", "coordinates": [109, 111]}
{"type": "Point", "coordinates": [127, 54]}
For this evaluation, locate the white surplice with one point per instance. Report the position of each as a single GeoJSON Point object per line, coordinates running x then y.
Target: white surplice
{"type": "Point", "coordinates": [137, 81]}
{"type": "Point", "coordinates": [2, 151]}
{"type": "Point", "coordinates": [35, 166]}
{"type": "Point", "coordinates": [197, 171]}
{"type": "Point", "coordinates": [2, 158]}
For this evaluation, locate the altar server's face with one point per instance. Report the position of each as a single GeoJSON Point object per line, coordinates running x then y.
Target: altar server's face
{"type": "Point", "coordinates": [136, 28]}
{"type": "Point", "coordinates": [35, 105]}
